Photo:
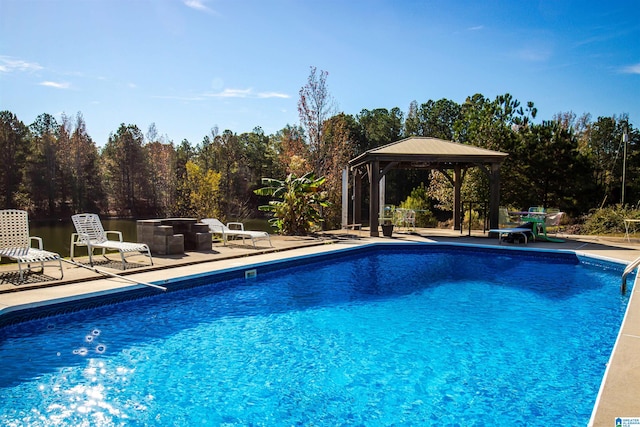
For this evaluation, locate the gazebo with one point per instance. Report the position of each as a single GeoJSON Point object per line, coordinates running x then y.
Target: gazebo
{"type": "Point", "coordinates": [424, 153]}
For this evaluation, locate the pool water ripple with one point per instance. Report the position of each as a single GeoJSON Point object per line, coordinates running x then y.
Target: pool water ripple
{"type": "Point", "coordinates": [393, 337]}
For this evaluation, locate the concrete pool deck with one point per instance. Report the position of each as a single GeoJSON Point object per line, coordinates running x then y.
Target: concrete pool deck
{"type": "Point", "coordinates": [619, 396]}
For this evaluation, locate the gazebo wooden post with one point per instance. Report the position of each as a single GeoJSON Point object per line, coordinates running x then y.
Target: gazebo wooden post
{"type": "Point", "coordinates": [457, 186]}
{"type": "Point", "coordinates": [357, 197]}
{"type": "Point", "coordinates": [345, 197]}
{"type": "Point", "coordinates": [374, 197]}
{"type": "Point", "coordinates": [494, 196]}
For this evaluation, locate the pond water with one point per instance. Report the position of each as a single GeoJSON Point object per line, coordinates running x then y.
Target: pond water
{"type": "Point", "coordinates": [56, 235]}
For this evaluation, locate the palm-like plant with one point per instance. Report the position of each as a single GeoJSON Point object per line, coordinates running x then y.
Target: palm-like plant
{"type": "Point", "coordinates": [296, 202]}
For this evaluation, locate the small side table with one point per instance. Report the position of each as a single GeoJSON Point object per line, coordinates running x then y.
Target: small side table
{"type": "Point", "coordinates": [627, 223]}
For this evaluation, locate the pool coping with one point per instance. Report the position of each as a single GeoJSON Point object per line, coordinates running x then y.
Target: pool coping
{"type": "Point", "coordinates": [617, 395]}
{"type": "Point", "coordinates": [620, 386]}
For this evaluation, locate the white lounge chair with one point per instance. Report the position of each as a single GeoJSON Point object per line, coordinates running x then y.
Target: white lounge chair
{"type": "Point", "coordinates": [15, 242]}
{"type": "Point", "coordinates": [91, 234]}
{"type": "Point", "coordinates": [230, 230]}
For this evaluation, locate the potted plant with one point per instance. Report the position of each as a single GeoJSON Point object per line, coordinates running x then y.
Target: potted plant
{"type": "Point", "coordinates": [387, 228]}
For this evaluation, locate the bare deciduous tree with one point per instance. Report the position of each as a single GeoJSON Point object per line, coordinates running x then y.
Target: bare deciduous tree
{"type": "Point", "coordinates": [315, 106]}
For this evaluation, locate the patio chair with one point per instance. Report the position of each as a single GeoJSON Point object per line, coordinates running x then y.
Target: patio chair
{"type": "Point", "coordinates": [91, 234]}
{"type": "Point", "coordinates": [505, 219]}
{"type": "Point", "coordinates": [405, 218]}
{"type": "Point", "coordinates": [553, 220]}
{"type": "Point", "coordinates": [537, 212]}
{"type": "Point", "coordinates": [410, 219]}
{"type": "Point", "coordinates": [15, 243]}
{"type": "Point", "coordinates": [235, 229]}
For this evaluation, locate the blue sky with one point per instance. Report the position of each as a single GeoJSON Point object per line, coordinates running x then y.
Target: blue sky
{"type": "Point", "coordinates": [190, 65]}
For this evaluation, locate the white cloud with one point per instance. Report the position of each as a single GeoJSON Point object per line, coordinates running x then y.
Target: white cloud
{"type": "Point", "coordinates": [232, 93]}
{"type": "Point", "coordinates": [227, 93]}
{"type": "Point", "coordinates": [198, 5]}
{"type": "Point", "coordinates": [476, 28]}
{"type": "Point", "coordinates": [9, 64]}
{"type": "Point", "coordinates": [632, 69]}
{"type": "Point", "coordinates": [246, 93]}
{"type": "Point", "coordinates": [56, 85]}
{"type": "Point", "coordinates": [273, 95]}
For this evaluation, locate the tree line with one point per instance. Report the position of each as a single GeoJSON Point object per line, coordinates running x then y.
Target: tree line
{"type": "Point", "coordinates": [54, 168]}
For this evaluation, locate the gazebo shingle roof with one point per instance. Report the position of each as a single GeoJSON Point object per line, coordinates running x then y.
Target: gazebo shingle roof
{"type": "Point", "coordinates": [430, 150]}
{"type": "Point", "coordinates": [424, 145]}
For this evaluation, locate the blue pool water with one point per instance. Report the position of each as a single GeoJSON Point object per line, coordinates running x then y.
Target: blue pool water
{"type": "Point", "coordinates": [385, 337]}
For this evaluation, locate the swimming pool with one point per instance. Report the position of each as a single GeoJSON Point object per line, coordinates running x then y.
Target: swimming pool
{"type": "Point", "coordinates": [392, 335]}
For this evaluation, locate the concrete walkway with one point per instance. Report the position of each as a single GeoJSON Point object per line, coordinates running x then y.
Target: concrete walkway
{"type": "Point", "coordinates": [619, 396]}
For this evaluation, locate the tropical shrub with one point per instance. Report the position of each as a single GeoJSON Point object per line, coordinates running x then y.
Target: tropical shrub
{"type": "Point", "coordinates": [297, 203]}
